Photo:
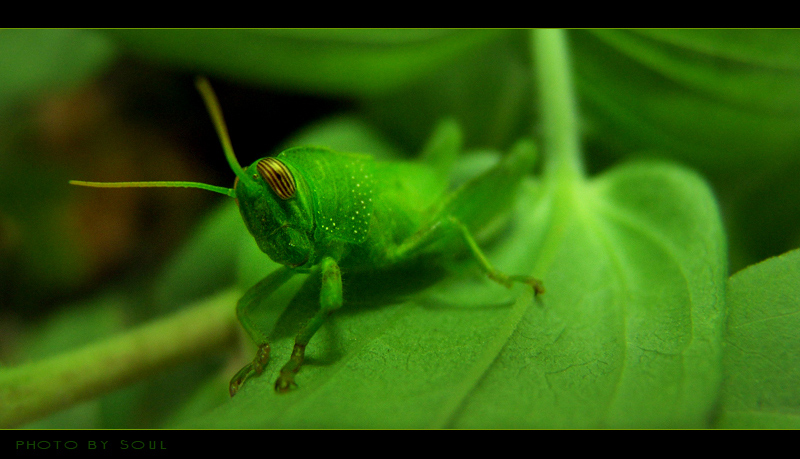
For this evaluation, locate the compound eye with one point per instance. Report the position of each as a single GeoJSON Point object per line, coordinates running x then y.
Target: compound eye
{"type": "Point", "coordinates": [278, 176]}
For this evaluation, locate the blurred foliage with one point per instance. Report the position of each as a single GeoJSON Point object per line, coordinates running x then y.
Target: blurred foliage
{"type": "Point", "coordinates": [763, 365]}
{"type": "Point", "coordinates": [120, 105]}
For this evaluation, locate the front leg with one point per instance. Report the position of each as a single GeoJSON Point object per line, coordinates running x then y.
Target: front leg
{"type": "Point", "coordinates": [244, 310]}
{"type": "Point", "coordinates": [330, 299]}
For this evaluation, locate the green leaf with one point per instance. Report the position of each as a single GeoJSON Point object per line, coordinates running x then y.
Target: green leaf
{"type": "Point", "coordinates": [188, 276]}
{"type": "Point", "coordinates": [627, 335]}
{"type": "Point", "coordinates": [717, 98]}
{"type": "Point", "coordinates": [630, 327]}
{"type": "Point", "coordinates": [487, 90]}
{"type": "Point", "coordinates": [762, 353]}
{"type": "Point", "coordinates": [340, 61]}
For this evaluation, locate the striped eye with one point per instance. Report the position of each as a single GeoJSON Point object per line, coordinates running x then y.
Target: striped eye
{"type": "Point", "coordinates": [278, 176]}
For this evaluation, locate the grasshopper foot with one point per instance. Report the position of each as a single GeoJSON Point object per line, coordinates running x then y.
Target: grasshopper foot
{"type": "Point", "coordinates": [536, 284]}
{"type": "Point", "coordinates": [538, 288]}
{"type": "Point", "coordinates": [239, 378]}
{"type": "Point", "coordinates": [256, 367]}
{"type": "Point", "coordinates": [285, 381]}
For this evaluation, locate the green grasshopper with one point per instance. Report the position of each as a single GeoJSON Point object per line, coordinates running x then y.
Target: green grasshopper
{"type": "Point", "coordinates": [311, 208]}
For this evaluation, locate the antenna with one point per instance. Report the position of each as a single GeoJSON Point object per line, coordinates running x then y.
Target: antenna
{"type": "Point", "coordinates": [212, 105]}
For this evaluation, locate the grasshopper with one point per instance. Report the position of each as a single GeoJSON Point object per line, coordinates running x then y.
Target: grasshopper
{"type": "Point", "coordinates": [311, 208]}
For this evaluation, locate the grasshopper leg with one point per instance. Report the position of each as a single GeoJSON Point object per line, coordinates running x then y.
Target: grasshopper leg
{"type": "Point", "coordinates": [430, 234]}
{"type": "Point", "coordinates": [474, 204]}
{"type": "Point", "coordinates": [244, 310]}
{"type": "Point", "coordinates": [330, 301]}
{"type": "Point", "coordinates": [494, 274]}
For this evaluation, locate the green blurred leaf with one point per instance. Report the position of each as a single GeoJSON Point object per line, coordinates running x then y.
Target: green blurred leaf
{"type": "Point", "coordinates": [716, 98]}
{"type": "Point", "coordinates": [762, 353]}
{"type": "Point", "coordinates": [35, 261]}
{"type": "Point", "coordinates": [344, 133]}
{"type": "Point", "coordinates": [207, 262]}
{"type": "Point", "coordinates": [40, 59]}
{"type": "Point", "coordinates": [754, 68]}
{"type": "Point", "coordinates": [70, 328]}
{"type": "Point", "coordinates": [338, 61]}
{"type": "Point", "coordinates": [488, 91]}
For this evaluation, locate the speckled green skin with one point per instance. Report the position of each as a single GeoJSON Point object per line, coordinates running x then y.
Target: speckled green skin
{"type": "Point", "coordinates": [347, 206]}
{"type": "Point", "coordinates": [361, 212]}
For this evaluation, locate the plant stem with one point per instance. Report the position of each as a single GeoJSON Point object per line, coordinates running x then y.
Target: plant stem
{"type": "Point", "coordinates": [36, 389]}
{"type": "Point", "coordinates": [563, 160]}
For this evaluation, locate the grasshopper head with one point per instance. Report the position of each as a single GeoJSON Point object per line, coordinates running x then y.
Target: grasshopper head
{"type": "Point", "coordinates": [272, 204]}
{"type": "Point", "coordinates": [269, 197]}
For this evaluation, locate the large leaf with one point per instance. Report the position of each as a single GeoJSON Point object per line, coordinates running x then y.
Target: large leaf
{"type": "Point", "coordinates": [762, 353]}
{"type": "Point", "coordinates": [629, 332]}
{"type": "Point", "coordinates": [627, 335]}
